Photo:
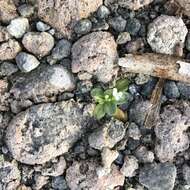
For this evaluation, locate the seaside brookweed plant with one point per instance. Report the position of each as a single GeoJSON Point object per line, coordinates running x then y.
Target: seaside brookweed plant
{"type": "Point", "coordinates": [107, 101]}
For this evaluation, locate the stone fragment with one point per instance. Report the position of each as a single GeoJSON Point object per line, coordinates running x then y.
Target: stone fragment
{"type": "Point", "coordinates": [170, 131]}
{"type": "Point", "coordinates": [158, 176]}
{"type": "Point", "coordinates": [7, 11]}
{"type": "Point", "coordinates": [63, 14]}
{"type": "Point", "coordinates": [9, 50]}
{"type": "Point", "coordinates": [130, 4]}
{"type": "Point", "coordinates": [108, 135]}
{"type": "Point", "coordinates": [96, 54]}
{"type": "Point", "coordinates": [43, 82]}
{"type": "Point", "coordinates": [38, 43]}
{"type": "Point", "coordinates": [165, 33]}
{"type": "Point", "coordinates": [18, 27]}
{"type": "Point", "coordinates": [45, 131]}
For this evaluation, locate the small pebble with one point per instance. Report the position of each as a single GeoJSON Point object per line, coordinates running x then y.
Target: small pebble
{"type": "Point", "coordinates": [103, 12]}
{"type": "Point", "coordinates": [171, 90]}
{"type": "Point", "coordinates": [26, 10]}
{"type": "Point", "coordinates": [134, 131]}
{"type": "Point", "coordinates": [133, 26]}
{"type": "Point", "coordinates": [123, 38]}
{"type": "Point", "coordinates": [26, 62]}
{"type": "Point", "coordinates": [7, 69]}
{"type": "Point", "coordinates": [18, 27]}
{"type": "Point", "coordinates": [135, 45]}
{"type": "Point", "coordinates": [83, 26]}
{"type": "Point", "coordinates": [142, 79]}
{"type": "Point", "coordinates": [42, 27]}
{"type": "Point", "coordinates": [117, 23]}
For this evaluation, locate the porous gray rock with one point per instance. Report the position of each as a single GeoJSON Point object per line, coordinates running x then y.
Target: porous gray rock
{"type": "Point", "coordinates": [83, 175]}
{"type": "Point", "coordinates": [9, 49]}
{"type": "Point", "coordinates": [170, 131]}
{"type": "Point", "coordinates": [38, 43]}
{"type": "Point", "coordinates": [158, 176]}
{"type": "Point", "coordinates": [26, 62]}
{"type": "Point", "coordinates": [43, 82]}
{"type": "Point", "coordinates": [96, 54]}
{"type": "Point", "coordinates": [26, 10]}
{"type": "Point", "coordinates": [7, 68]}
{"type": "Point", "coordinates": [144, 155]}
{"type": "Point", "coordinates": [165, 33]}
{"type": "Point", "coordinates": [83, 26]}
{"type": "Point", "coordinates": [9, 176]}
{"type": "Point", "coordinates": [18, 27]}
{"type": "Point", "coordinates": [129, 167]}
{"type": "Point", "coordinates": [45, 131]}
{"type": "Point", "coordinates": [64, 14]}
{"type": "Point", "coordinates": [138, 110]}
{"type": "Point", "coordinates": [134, 131]}
{"type": "Point", "coordinates": [7, 11]}
{"type": "Point", "coordinates": [108, 135]}
{"type": "Point", "coordinates": [130, 4]}
{"type": "Point", "coordinates": [54, 168]}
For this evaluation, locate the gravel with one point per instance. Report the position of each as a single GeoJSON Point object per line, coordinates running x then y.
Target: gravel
{"type": "Point", "coordinates": [42, 27]}
{"type": "Point", "coordinates": [38, 43]}
{"type": "Point", "coordinates": [40, 135]}
{"type": "Point", "coordinates": [9, 50]}
{"type": "Point", "coordinates": [4, 34]}
{"type": "Point", "coordinates": [117, 23]}
{"type": "Point", "coordinates": [129, 166]}
{"type": "Point", "coordinates": [158, 176]}
{"type": "Point", "coordinates": [18, 27]}
{"type": "Point", "coordinates": [83, 26]}
{"type": "Point", "coordinates": [165, 32]}
{"type": "Point", "coordinates": [133, 26]}
{"type": "Point", "coordinates": [7, 68]}
{"type": "Point", "coordinates": [170, 131]}
{"type": "Point", "coordinates": [103, 12]}
{"type": "Point", "coordinates": [171, 90]}
{"type": "Point", "coordinates": [123, 38]}
{"type": "Point", "coordinates": [108, 135]}
{"type": "Point", "coordinates": [96, 54]}
{"type": "Point", "coordinates": [26, 62]}
{"type": "Point", "coordinates": [66, 13]}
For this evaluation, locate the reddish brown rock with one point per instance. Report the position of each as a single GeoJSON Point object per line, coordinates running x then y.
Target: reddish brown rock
{"type": "Point", "coordinates": [63, 14]}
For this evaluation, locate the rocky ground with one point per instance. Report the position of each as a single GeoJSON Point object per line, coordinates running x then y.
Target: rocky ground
{"type": "Point", "coordinates": [52, 53]}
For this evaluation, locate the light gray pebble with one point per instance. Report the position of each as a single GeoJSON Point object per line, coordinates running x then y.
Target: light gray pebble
{"type": "Point", "coordinates": [42, 27]}
{"type": "Point", "coordinates": [83, 26]}
{"type": "Point", "coordinates": [26, 10]}
{"type": "Point", "coordinates": [123, 38]}
{"type": "Point", "coordinates": [144, 155]}
{"type": "Point", "coordinates": [26, 62]}
{"type": "Point", "coordinates": [134, 131]}
{"type": "Point", "coordinates": [142, 79]}
{"type": "Point", "coordinates": [18, 27]}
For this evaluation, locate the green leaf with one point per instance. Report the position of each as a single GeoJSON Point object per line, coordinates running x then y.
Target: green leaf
{"type": "Point", "coordinates": [97, 92]}
{"type": "Point", "coordinates": [99, 111]}
{"type": "Point", "coordinates": [122, 84]}
{"type": "Point", "coordinates": [109, 92]}
{"type": "Point", "coordinates": [110, 107]}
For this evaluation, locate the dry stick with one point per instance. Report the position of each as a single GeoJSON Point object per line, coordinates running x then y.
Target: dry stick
{"type": "Point", "coordinates": [154, 109]}
{"type": "Point", "coordinates": [158, 65]}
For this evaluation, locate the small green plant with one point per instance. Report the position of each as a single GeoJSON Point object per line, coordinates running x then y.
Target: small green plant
{"type": "Point", "coordinates": [107, 101]}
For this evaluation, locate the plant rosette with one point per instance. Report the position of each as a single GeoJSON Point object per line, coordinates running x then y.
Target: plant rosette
{"type": "Point", "coordinates": [107, 101]}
